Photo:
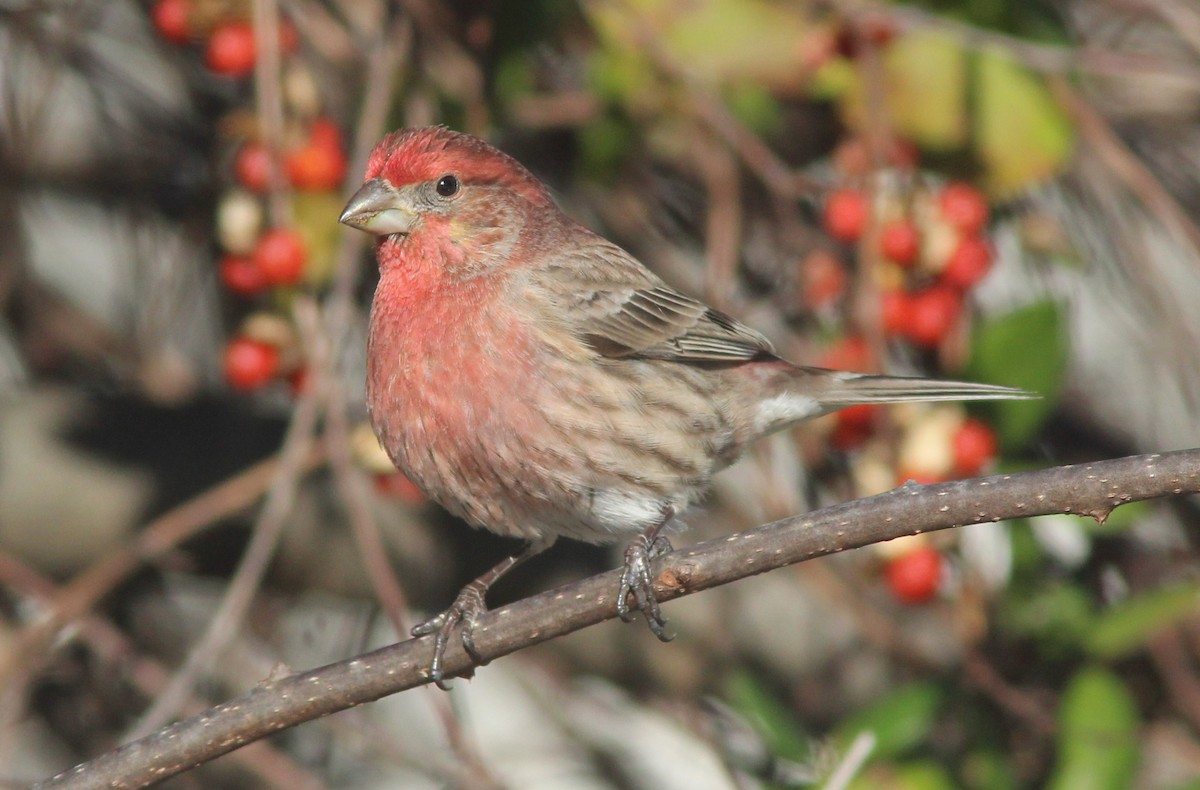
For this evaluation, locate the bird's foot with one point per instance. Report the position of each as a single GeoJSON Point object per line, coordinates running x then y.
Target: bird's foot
{"type": "Point", "coordinates": [635, 580]}
{"type": "Point", "coordinates": [465, 611]}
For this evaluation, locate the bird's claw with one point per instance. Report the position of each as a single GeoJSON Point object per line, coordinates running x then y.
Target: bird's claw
{"type": "Point", "coordinates": [635, 580]}
{"type": "Point", "coordinates": [465, 611]}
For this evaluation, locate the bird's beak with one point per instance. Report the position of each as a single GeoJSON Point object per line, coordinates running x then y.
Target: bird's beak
{"type": "Point", "coordinates": [378, 208]}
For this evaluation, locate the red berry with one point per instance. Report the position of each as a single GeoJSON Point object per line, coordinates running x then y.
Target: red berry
{"type": "Point", "coordinates": [231, 49]}
{"type": "Point", "coordinates": [918, 476]}
{"type": "Point", "coordinates": [845, 215]}
{"type": "Point", "coordinates": [878, 30]}
{"type": "Point", "coordinates": [964, 207]}
{"type": "Point", "coordinates": [398, 486]}
{"type": "Point", "coordinates": [849, 353]}
{"type": "Point", "coordinates": [915, 577]}
{"type": "Point", "coordinates": [325, 132]}
{"type": "Point", "coordinates": [975, 447]}
{"type": "Point", "coordinates": [851, 157]}
{"type": "Point", "coordinates": [895, 307]}
{"type": "Point", "coordinates": [241, 276]}
{"type": "Point", "coordinates": [299, 380]}
{"type": "Point", "coordinates": [823, 279]}
{"type": "Point", "coordinates": [172, 19]}
{"type": "Point", "coordinates": [289, 39]}
{"type": "Point", "coordinates": [854, 425]}
{"type": "Point", "coordinates": [316, 166]}
{"type": "Point", "coordinates": [900, 242]}
{"type": "Point", "coordinates": [252, 166]}
{"type": "Point", "coordinates": [903, 154]}
{"type": "Point", "coordinates": [969, 263]}
{"type": "Point", "coordinates": [250, 364]}
{"type": "Point", "coordinates": [932, 314]}
{"type": "Point", "coordinates": [280, 255]}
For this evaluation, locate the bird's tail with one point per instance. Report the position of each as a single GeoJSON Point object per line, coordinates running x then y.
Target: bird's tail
{"type": "Point", "coordinates": [852, 389]}
{"type": "Point", "coordinates": [803, 393]}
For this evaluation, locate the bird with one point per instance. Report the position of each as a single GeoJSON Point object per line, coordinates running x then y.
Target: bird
{"type": "Point", "coordinates": [538, 381]}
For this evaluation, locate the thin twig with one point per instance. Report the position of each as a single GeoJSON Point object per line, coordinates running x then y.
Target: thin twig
{"type": "Point", "coordinates": [269, 104]}
{"type": "Point", "coordinates": [149, 676]}
{"type": "Point", "coordinates": [158, 538]}
{"type": "Point", "coordinates": [1045, 58]}
{"type": "Point", "coordinates": [384, 71]}
{"type": "Point", "coordinates": [253, 566]}
{"type": "Point", "coordinates": [1090, 489]}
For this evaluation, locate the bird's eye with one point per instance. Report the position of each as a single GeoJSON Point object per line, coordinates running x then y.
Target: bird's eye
{"type": "Point", "coordinates": [447, 185]}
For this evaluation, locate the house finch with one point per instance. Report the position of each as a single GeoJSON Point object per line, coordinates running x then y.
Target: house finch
{"type": "Point", "coordinates": [537, 380]}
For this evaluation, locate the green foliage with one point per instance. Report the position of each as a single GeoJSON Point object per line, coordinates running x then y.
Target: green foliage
{"type": "Point", "coordinates": [721, 41]}
{"type": "Point", "coordinates": [316, 216]}
{"type": "Point", "coordinates": [1025, 348]}
{"type": "Point", "coordinates": [1127, 626]}
{"type": "Point", "coordinates": [1057, 615]}
{"type": "Point", "coordinates": [1097, 739]}
{"type": "Point", "coordinates": [770, 717]}
{"type": "Point", "coordinates": [899, 721]}
{"type": "Point", "coordinates": [918, 775]}
{"type": "Point", "coordinates": [946, 98]}
{"type": "Point", "coordinates": [755, 107]}
{"type": "Point", "coordinates": [1022, 135]}
{"type": "Point", "coordinates": [985, 769]}
{"type": "Point", "coordinates": [513, 78]}
{"type": "Point", "coordinates": [603, 145]}
{"type": "Point", "coordinates": [926, 90]}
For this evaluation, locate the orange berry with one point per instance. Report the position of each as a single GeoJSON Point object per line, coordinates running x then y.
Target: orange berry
{"type": "Point", "coordinates": [316, 167]}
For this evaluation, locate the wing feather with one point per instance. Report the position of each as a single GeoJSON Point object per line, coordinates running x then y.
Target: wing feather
{"type": "Point", "coordinates": [622, 310]}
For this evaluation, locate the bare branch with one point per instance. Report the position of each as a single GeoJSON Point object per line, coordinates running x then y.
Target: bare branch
{"type": "Point", "coordinates": [1089, 489]}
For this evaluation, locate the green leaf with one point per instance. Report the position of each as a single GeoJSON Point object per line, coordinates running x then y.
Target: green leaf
{"type": "Point", "coordinates": [899, 721]}
{"type": "Point", "coordinates": [988, 770]}
{"type": "Point", "coordinates": [1025, 348]}
{"type": "Point", "coordinates": [603, 145]}
{"type": "Point", "coordinates": [514, 79]}
{"type": "Point", "coordinates": [926, 89]}
{"type": "Point", "coordinates": [924, 775]}
{"type": "Point", "coordinates": [721, 41]}
{"type": "Point", "coordinates": [316, 216]}
{"type": "Point", "coordinates": [915, 775]}
{"type": "Point", "coordinates": [755, 107]}
{"type": "Point", "coordinates": [1097, 739]}
{"type": "Point", "coordinates": [1192, 784]}
{"type": "Point", "coordinates": [1059, 616]}
{"type": "Point", "coordinates": [1022, 135]}
{"type": "Point", "coordinates": [1127, 626]}
{"type": "Point", "coordinates": [773, 720]}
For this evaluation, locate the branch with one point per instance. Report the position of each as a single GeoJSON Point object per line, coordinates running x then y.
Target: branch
{"type": "Point", "coordinates": [277, 703]}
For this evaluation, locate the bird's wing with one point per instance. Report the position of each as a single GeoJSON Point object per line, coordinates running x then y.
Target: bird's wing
{"type": "Point", "coordinates": [621, 310]}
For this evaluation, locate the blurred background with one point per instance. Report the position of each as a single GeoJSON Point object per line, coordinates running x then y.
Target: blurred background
{"type": "Point", "coordinates": [190, 499]}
